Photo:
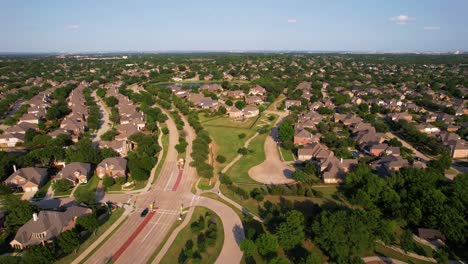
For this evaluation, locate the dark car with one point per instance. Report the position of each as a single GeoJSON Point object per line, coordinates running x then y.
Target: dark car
{"type": "Point", "coordinates": [144, 212]}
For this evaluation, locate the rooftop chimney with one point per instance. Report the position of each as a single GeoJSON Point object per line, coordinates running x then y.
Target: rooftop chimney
{"type": "Point", "coordinates": [14, 167]}
{"type": "Point", "coordinates": [341, 160]}
{"type": "Point", "coordinates": [35, 217]}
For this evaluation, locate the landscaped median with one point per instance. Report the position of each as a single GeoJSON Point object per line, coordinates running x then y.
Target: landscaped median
{"type": "Point", "coordinates": [201, 239]}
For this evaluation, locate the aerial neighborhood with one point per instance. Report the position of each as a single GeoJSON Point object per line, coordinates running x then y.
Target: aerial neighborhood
{"type": "Point", "coordinates": [305, 144]}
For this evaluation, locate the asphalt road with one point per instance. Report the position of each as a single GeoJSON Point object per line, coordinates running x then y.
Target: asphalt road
{"type": "Point", "coordinates": [168, 194]}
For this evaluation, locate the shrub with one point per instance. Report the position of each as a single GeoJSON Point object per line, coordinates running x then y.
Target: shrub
{"type": "Point", "coordinates": [224, 179]}
{"type": "Point", "coordinates": [108, 181]}
{"type": "Point", "coordinates": [221, 159]}
{"type": "Point", "coordinates": [242, 135]}
{"type": "Point", "coordinates": [243, 151]}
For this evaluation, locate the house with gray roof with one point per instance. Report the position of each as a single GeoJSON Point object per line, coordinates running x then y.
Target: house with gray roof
{"type": "Point", "coordinates": [75, 172]}
{"type": "Point", "coordinates": [45, 226]}
{"type": "Point", "coordinates": [112, 167]}
{"type": "Point", "coordinates": [28, 179]}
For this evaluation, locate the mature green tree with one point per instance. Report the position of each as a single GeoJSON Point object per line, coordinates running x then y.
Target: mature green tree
{"type": "Point", "coordinates": [18, 211]}
{"type": "Point", "coordinates": [39, 255]}
{"type": "Point", "coordinates": [240, 104]}
{"type": "Point", "coordinates": [266, 244]}
{"type": "Point", "coordinates": [68, 241]}
{"type": "Point", "coordinates": [291, 232]}
{"type": "Point", "coordinates": [286, 131]}
{"type": "Point", "coordinates": [248, 247]}
{"type": "Point", "coordinates": [345, 235]}
{"type": "Point", "coordinates": [312, 258]}
{"type": "Point", "coordinates": [88, 222]}
{"type": "Point", "coordinates": [279, 260]}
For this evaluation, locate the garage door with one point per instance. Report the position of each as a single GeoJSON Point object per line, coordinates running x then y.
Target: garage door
{"type": "Point", "coordinates": [31, 189]}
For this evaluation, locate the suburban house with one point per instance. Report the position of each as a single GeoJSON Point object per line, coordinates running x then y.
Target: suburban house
{"type": "Point", "coordinates": [250, 111]}
{"type": "Point", "coordinates": [45, 226]}
{"type": "Point", "coordinates": [212, 88]}
{"type": "Point", "coordinates": [28, 179]}
{"type": "Point", "coordinates": [10, 140]}
{"type": "Point", "coordinates": [75, 172]}
{"type": "Point", "coordinates": [234, 112]}
{"type": "Point", "coordinates": [253, 100]}
{"type": "Point", "coordinates": [388, 164]}
{"type": "Point", "coordinates": [428, 128]}
{"type": "Point", "coordinates": [236, 94]}
{"type": "Point", "coordinates": [400, 116]}
{"type": "Point", "coordinates": [334, 170]}
{"type": "Point", "coordinates": [112, 167]}
{"type": "Point", "coordinates": [314, 150]}
{"type": "Point", "coordinates": [289, 103]}
{"type": "Point", "coordinates": [304, 137]}
{"type": "Point", "coordinates": [29, 118]}
{"type": "Point", "coordinates": [257, 90]}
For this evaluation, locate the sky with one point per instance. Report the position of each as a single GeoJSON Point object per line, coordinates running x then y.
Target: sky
{"type": "Point", "coordinates": [236, 25]}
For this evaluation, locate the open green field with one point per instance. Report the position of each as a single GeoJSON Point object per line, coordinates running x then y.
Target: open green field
{"type": "Point", "coordinates": [239, 171]}
{"type": "Point", "coordinates": [101, 230]}
{"type": "Point", "coordinates": [328, 196]}
{"type": "Point", "coordinates": [212, 252]}
{"type": "Point", "coordinates": [221, 121]}
{"type": "Point", "coordinates": [381, 250]}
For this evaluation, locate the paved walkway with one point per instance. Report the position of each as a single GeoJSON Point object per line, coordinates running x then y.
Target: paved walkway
{"type": "Point", "coordinates": [383, 260]}
{"type": "Point", "coordinates": [239, 156]}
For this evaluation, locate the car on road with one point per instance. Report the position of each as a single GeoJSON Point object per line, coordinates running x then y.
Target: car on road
{"type": "Point", "coordinates": [144, 212]}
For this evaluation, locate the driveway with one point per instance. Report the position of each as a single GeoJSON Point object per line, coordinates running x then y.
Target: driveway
{"type": "Point", "coordinates": [273, 170]}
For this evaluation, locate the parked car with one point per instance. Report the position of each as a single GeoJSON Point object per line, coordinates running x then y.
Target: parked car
{"type": "Point", "coordinates": [144, 212]}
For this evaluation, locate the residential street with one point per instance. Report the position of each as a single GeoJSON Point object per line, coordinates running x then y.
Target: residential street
{"type": "Point", "coordinates": [136, 246]}
{"type": "Point", "coordinates": [105, 123]}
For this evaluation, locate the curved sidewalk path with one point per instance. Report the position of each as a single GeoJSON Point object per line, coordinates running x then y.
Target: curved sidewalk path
{"type": "Point", "coordinates": [232, 228]}
{"type": "Point", "coordinates": [239, 156]}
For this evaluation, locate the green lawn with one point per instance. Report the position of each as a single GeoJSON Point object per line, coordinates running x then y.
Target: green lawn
{"type": "Point", "coordinates": [62, 194]}
{"type": "Point", "coordinates": [384, 251]}
{"type": "Point", "coordinates": [287, 154]}
{"type": "Point", "coordinates": [101, 230]}
{"type": "Point", "coordinates": [90, 186]}
{"type": "Point", "coordinates": [186, 234]}
{"type": "Point", "coordinates": [204, 183]}
{"type": "Point", "coordinates": [222, 121]}
{"type": "Point", "coordinates": [165, 146]}
{"type": "Point", "coordinates": [239, 171]}
{"type": "Point", "coordinates": [41, 193]}
{"type": "Point", "coordinates": [252, 205]}
{"type": "Point", "coordinates": [228, 142]}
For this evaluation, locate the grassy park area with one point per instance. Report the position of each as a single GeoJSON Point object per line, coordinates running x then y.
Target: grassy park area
{"type": "Point", "coordinates": [196, 235]}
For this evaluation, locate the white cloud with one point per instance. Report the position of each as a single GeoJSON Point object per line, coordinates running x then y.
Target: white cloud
{"type": "Point", "coordinates": [431, 28]}
{"type": "Point", "coordinates": [292, 20]}
{"type": "Point", "coordinates": [72, 27]}
{"type": "Point", "coordinates": [402, 19]}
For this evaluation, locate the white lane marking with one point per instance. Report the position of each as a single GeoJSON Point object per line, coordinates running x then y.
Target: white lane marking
{"type": "Point", "coordinates": [152, 228]}
{"type": "Point", "coordinates": [169, 181]}
{"type": "Point", "coordinates": [193, 197]}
